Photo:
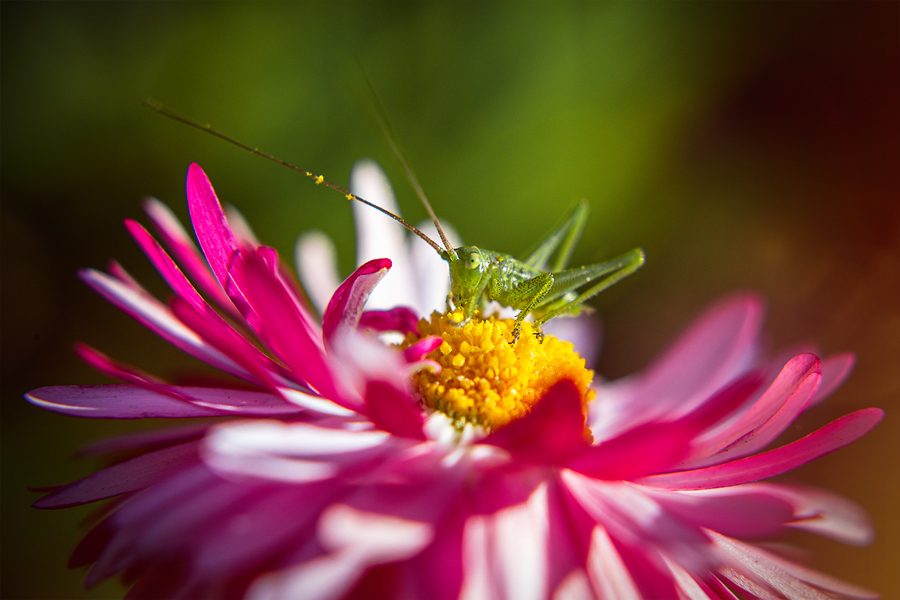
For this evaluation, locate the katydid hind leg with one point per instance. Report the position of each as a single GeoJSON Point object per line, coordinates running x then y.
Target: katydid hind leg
{"type": "Point", "coordinates": [564, 237]}
{"type": "Point", "coordinates": [611, 272]}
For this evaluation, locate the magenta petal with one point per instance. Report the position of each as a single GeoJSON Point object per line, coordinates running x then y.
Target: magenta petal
{"type": "Point", "coordinates": [210, 224]}
{"type": "Point", "coordinates": [284, 329]}
{"type": "Point", "coordinates": [551, 432]}
{"type": "Point", "coordinates": [654, 447]}
{"type": "Point", "coordinates": [393, 411]}
{"type": "Point", "coordinates": [216, 331]}
{"type": "Point", "coordinates": [829, 438]}
{"type": "Point", "coordinates": [213, 233]}
{"type": "Point", "coordinates": [420, 349]}
{"type": "Point", "coordinates": [131, 402]}
{"type": "Point", "coordinates": [346, 305]}
{"type": "Point", "coordinates": [400, 319]}
{"type": "Point", "coordinates": [185, 251]}
{"type": "Point", "coordinates": [163, 263]}
{"type": "Point", "coordinates": [116, 369]}
{"type": "Point", "coordinates": [645, 449]}
{"type": "Point", "coordinates": [128, 476]}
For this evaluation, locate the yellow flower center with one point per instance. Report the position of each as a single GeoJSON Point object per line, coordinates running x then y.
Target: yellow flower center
{"type": "Point", "coordinates": [487, 381]}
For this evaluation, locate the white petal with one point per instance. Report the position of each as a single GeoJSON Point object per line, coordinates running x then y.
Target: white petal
{"type": "Point", "coordinates": [315, 403]}
{"type": "Point", "coordinates": [316, 262]}
{"type": "Point", "coordinates": [575, 586]}
{"type": "Point", "coordinates": [607, 571]}
{"type": "Point", "coordinates": [239, 226]}
{"type": "Point", "coordinates": [290, 439]}
{"type": "Point", "coordinates": [380, 538]}
{"type": "Point", "coordinates": [584, 333]}
{"type": "Point", "coordinates": [431, 272]}
{"type": "Point", "coordinates": [504, 553]}
{"type": "Point", "coordinates": [379, 236]}
{"type": "Point", "coordinates": [296, 452]}
{"type": "Point", "coordinates": [323, 578]}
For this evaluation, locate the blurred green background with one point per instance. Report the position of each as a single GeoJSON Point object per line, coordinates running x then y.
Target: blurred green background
{"type": "Point", "coordinates": [744, 146]}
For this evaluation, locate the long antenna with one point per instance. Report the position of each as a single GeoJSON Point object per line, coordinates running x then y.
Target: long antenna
{"type": "Point", "coordinates": [319, 179]}
{"type": "Point", "coordinates": [392, 141]}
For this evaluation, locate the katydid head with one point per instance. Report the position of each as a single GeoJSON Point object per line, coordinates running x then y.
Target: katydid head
{"type": "Point", "coordinates": [466, 273]}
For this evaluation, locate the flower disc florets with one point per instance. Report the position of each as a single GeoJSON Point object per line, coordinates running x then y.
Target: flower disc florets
{"type": "Point", "coordinates": [485, 380]}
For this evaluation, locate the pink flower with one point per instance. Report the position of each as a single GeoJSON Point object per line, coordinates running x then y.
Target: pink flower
{"type": "Point", "coordinates": [327, 477]}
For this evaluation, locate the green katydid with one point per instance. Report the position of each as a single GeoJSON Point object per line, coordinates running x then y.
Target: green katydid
{"type": "Point", "coordinates": [534, 285]}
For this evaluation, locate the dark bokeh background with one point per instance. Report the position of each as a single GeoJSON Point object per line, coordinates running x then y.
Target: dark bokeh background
{"type": "Point", "coordinates": [744, 146]}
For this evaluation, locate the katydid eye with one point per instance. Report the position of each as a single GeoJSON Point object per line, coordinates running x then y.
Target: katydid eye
{"type": "Point", "coordinates": [473, 261]}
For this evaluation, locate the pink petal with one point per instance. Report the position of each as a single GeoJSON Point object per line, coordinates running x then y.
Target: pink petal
{"type": "Point", "coordinates": [688, 587]}
{"type": "Point", "coordinates": [634, 518]}
{"type": "Point", "coordinates": [786, 577]}
{"type": "Point", "coordinates": [260, 530]}
{"type": "Point", "coordinates": [157, 317]}
{"type": "Point", "coordinates": [393, 411]}
{"type": "Point", "coordinates": [716, 348]}
{"type": "Point", "coordinates": [131, 402]}
{"type": "Point", "coordinates": [347, 303]}
{"type": "Point", "coordinates": [829, 438]}
{"type": "Point", "coordinates": [835, 369]}
{"type": "Point", "coordinates": [552, 432]}
{"type": "Point", "coordinates": [184, 249]}
{"type": "Point", "coordinates": [775, 410]}
{"type": "Point", "coordinates": [747, 511]}
{"type": "Point", "coordinates": [113, 544]}
{"type": "Point", "coordinates": [128, 476]}
{"type": "Point", "coordinates": [437, 572]}
{"type": "Point", "coordinates": [119, 272]}
{"type": "Point", "coordinates": [144, 440]}
{"type": "Point", "coordinates": [400, 319]}
{"type": "Point", "coordinates": [825, 513]}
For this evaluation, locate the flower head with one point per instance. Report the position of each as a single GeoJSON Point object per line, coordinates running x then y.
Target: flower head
{"type": "Point", "coordinates": [448, 464]}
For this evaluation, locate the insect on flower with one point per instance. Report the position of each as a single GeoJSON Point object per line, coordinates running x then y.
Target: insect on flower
{"type": "Point", "coordinates": [534, 285]}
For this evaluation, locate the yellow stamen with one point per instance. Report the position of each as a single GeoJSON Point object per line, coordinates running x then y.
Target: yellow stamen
{"type": "Point", "coordinates": [485, 380]}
